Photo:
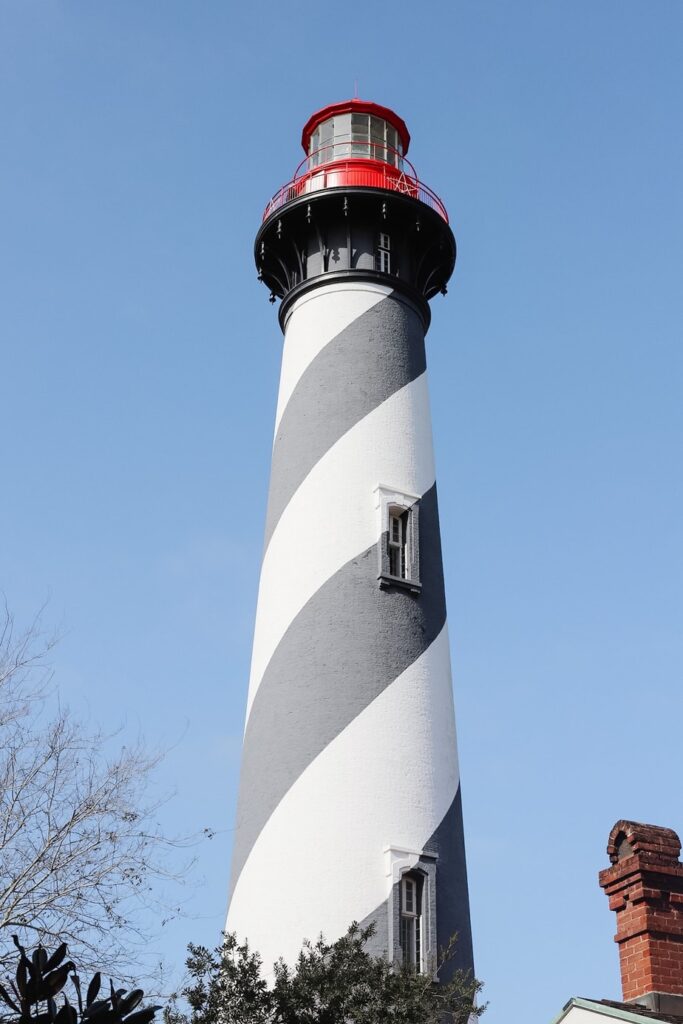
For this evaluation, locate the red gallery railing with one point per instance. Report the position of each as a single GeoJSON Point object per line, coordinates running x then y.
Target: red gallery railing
{"type": "Point", "coordinates": [359, 172]}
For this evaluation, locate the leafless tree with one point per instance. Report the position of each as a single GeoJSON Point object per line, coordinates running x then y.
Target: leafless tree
{"type": "Point", "coordinates": [82, 857]}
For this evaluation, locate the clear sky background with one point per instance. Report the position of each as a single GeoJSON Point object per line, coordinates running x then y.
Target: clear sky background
{"type": "Point", "coordinates": [140, 142]}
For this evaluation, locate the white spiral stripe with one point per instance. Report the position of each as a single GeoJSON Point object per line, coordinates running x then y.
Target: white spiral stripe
{"type": "Point", "coordinates": [331, 518]}
{"type": "Point", "coordinates": [362, 799]}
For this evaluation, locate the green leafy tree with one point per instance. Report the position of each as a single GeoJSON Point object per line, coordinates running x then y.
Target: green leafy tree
{"type": "Point", "coordinates": [331, 983]}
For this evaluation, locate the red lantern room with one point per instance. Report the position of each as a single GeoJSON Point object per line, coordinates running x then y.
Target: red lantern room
{"type": "Point", "coordinates": [357, 129]}
{"type": "Point", "coordinates": [354, 190]}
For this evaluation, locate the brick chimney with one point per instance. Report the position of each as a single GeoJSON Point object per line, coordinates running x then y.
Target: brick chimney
{"type": "Point", "coordinates": [645, 888]}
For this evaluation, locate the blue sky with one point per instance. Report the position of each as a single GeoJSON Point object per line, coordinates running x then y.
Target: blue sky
{"type": "Point", "coordinates": [140, 357]}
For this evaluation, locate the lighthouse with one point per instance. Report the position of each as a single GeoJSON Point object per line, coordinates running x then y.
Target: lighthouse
{"type": "Point", "coordinates": [349, 804]}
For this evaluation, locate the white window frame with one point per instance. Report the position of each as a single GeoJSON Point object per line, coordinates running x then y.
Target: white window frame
{"type": "Point", "coordinates": [390, 503]}
{"type": "Point", "coordinates": [400, 861]}
{"type": "Point", "coordinates": [411, 923]}
{"type": "Point", "coordinates": [397, 542]}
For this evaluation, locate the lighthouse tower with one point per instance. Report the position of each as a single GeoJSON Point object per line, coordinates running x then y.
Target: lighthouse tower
{"type": "Point", "coordinates": [349, 804]}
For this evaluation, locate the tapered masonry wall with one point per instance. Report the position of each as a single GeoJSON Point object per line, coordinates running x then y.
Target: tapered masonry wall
{"type": "Point", "coordinates": [349, 772]}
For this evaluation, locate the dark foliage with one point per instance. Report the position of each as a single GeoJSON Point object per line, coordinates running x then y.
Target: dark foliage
{"type": "Point", "coordinates": [337, 983]}
{"type": "Point", "coordinates": [32, 996]}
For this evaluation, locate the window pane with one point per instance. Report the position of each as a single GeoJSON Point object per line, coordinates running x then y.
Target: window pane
{"type": "Point", "coordinates": [377, 150]}
{"type": "Point", "coordinates": [342, 136]}
{"type": "Point", "coordinates": [408, 939]}
{"type": "Point", "coordinates": [377, 128]}
{"type": "Point", "coordinates": [326, 129]}
{"type": "Point", "coordinates": [405, 940]}
{"type": "Point", "coordinates": [359, 126]}
{"type": "Point", "coordinates": [392, 139]}
{"type": "Point", "coordinates": [342, 127]}
{"type": "Point", "coordinates": [394, 562]}
{"type": "Point", "coordinates": [410, 922]}
{"type": "Point", "coordinates": [360, 135]}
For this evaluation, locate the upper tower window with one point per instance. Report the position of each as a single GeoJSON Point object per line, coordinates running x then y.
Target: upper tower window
{"type": "Point", "coordinates": [357, 135]}
{"type": "Point", "coordinates": [398, 543]}
{"type": "Point", "coordinates": [399, 539]}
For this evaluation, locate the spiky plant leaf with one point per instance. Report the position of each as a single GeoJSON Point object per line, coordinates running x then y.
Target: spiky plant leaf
{"type": "Point", "coordinates": [56, 958]}
{"type": "Point", "coordinates": [129, 1002]}
{"type": "Point", "coordinates": [5, 996]}
{"type": "Point", "coordinates": [66, 1015]}
{"type": "Point", "coordinates": [93, 989]}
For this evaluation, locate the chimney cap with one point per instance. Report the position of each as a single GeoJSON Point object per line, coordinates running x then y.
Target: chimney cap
{"type": "Point", "coordinates": [628, 838]}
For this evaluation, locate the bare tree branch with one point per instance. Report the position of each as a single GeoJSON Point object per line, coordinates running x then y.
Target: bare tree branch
{"type": "Point", "coordinates": [83, 858]}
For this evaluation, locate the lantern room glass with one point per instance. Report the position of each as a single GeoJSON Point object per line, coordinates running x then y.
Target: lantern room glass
{"type": "Point", "coordinates": [355, 135]}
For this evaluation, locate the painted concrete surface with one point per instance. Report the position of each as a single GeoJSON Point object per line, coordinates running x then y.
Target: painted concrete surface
{"type": "Point", "coordinates": [313, 323]}
{"type": "Point", "coordinates": [350, 642]}
{"type": "Point", "coordinates": [324, 844]}
{"type": "Point", "coordinates": [331, 518]}
{"type": "Point", "coordinates": [386, 346]}
{"type": "Point", "coordinates": [349, 744]}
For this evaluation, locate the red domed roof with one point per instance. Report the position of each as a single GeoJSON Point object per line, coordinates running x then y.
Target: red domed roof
{"type": "Point", "coordinates": [355, 106]}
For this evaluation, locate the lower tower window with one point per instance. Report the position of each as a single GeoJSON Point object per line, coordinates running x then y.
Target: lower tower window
{"type": "Point", "coordinates": [412, 908]}
{"type": "Point", "coordinates": [411, 921]}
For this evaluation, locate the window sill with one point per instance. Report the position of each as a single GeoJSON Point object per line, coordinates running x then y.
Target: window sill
{"type": "Point", "coordinates": [386, 581]}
